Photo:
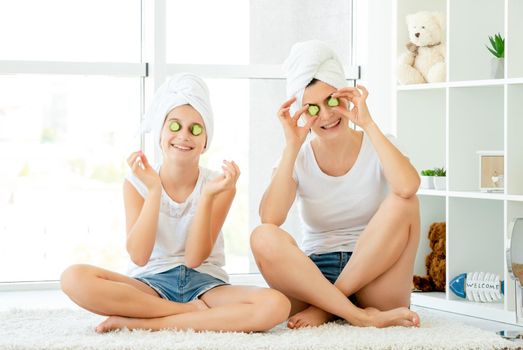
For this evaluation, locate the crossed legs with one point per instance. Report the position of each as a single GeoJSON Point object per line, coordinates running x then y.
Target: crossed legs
{"type": "Point", "coordinates": [109, 293]}
{"type": "Point", "coordinates": [133, 304]}
{"type": "Point", "coordinates": [231, 308]}
{"type": "Point", "coordinates": [379, 272]}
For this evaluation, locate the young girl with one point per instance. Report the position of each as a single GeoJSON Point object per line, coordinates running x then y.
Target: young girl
{"type": "Point", "coordinates": [174, 213]}
{"type": "Point", "coordinates": [359, 241]}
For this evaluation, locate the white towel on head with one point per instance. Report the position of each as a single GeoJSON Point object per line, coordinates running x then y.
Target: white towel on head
{"type": "Point", "coordinates": [178, 90]}
{"type": "Point", "coordinates": [309, 60]}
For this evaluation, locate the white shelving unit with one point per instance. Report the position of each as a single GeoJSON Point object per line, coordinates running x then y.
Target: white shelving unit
{"type": "Point", "coordinates": [445, 124]}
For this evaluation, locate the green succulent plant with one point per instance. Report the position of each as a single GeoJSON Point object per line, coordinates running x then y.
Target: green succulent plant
{"type": "Point", "coordinates": [497, 43]}
{"type": "Point", "coordinates": [427, 172]}
{"type": "Point", "coordinates": [434, 172]}
{"type": "Point", "coordinates": [440, 172]}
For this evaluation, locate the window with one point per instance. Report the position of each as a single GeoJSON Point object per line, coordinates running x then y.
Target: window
{"type": "Point", "coordinates": [71, 102]}
{"type": "Point", "coordinates": [65, 30]}
{"type": "Point", "coordinates": [63, 144]}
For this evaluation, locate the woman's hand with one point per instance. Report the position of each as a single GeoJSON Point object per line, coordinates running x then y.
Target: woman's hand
{"type": "Point", "coordinates": [294, 134]}
{"type": "Point", "coordinates": [224, 182]}
{"type": "Point", "coordinates": [359, 114]}
{"type": "Point", "coordinates": [143, 170]}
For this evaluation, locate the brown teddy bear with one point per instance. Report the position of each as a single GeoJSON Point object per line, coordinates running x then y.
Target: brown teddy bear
{"type": "Point", "coordinates": [435, 261]}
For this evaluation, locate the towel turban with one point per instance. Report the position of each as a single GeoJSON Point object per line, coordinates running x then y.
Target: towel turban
{"type": "Point", "coordinates": [310, 60]}
{"type": "Point", "coordinates": [180, 89]}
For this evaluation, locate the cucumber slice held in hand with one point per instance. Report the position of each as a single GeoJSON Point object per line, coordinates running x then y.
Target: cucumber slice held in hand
{"type": "Point", "coordinates": [333, 102]}
{"type": "Point", "coordinates": [313, 110]}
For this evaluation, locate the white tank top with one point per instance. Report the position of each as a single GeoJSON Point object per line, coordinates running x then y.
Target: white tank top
{"type": "Point", "coordinates": [174, 221]}
{"type": "Point", "coordinates": [335, 210]}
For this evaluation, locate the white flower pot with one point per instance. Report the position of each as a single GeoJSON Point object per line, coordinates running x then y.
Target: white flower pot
{"type": "Point", "coordinates": [498, 68]}
{"type": "Point", "coordinates": [440, 183]}
{"type": "Point", "coordinates": [427, 183]}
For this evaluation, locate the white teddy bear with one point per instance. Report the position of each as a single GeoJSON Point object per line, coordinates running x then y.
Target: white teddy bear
{"type": "Point", "coordinates": [424, 61]}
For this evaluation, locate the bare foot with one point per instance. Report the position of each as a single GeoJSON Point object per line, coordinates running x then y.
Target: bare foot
{"type": "Point", "coordinates": [395, 317]}
{"type": "Point", "coordinates": [310, 317]}
{"type": "Point", "coordinates": [115, 322]}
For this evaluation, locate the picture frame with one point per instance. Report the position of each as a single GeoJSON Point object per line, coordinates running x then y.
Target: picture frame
{"type": "Point", "coordinates": [491, 168]}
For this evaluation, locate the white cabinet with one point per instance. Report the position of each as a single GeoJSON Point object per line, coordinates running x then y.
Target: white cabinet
{"type": "Point", "coordinates": [446, 124]}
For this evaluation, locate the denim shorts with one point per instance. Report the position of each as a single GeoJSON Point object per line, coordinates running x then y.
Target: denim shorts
{"type": "Point", "coordinates": [181, 284]}
{"type": "Point", "coordinates": [331, 264]}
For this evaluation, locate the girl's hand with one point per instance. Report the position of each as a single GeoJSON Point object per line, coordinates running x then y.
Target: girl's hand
{"type": "Point", "coordinates": [143, 170]}
{"type": "Point", "coordinates": [359, 114]}
{"type": "Point", "coordinates": [224, 182]}
{"type": "Point", "coordinates": [294, 134]}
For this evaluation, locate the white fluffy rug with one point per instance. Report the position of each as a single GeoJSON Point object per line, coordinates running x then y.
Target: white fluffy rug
{"type": "Point", "coordinates": [74, 329]}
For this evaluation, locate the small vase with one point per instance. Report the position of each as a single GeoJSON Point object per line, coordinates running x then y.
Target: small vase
{"type": "Point", "coordinates": [440, 183]}
{"type": "Point", "coordinates": [498, 68]}
{"type": "Point", "coordinates": [427, 183]}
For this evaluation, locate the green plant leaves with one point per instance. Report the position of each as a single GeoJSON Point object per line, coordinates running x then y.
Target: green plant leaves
{"type": "Point", "coordinates": [497, 43]}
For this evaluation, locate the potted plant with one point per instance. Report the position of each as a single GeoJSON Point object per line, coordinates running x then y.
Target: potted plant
{"type": "Point", "coordinates": [440, 179]}
{"type": "Point", "coordinates": [497, 43]}
{"type": "Point", "coordinates": [426, 179]}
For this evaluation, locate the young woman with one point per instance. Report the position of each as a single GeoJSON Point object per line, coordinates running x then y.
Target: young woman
{"type": "Point", "coordinates": [356, 196]}
{"type": "Point", "coordinates": [174, 213]}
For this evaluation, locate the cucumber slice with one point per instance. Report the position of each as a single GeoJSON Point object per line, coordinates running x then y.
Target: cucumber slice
{"type": "Point", "coordinates": [333, 102]}
{"type": "Point", "coordinates": [196, 129]}
{"type": "Point", "coordinates": [174, 126]}
{"type": "Point", "coordinates": [313, 110]}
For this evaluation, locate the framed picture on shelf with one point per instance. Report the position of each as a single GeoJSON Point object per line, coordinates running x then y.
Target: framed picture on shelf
{"type": "Point", "coordinates": [491, 171]}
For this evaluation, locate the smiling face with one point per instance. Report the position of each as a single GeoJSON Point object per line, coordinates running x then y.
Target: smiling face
{"type": "Point", "coordinates": [183, 134]}
{"type": "Point", "coordinates": [330, 121]}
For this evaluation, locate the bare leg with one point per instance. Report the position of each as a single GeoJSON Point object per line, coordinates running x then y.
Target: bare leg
{"type": "Point", "coordinates": [232, 308]}
{"type": "Point", "coordinates": [109, 293]}
{"type": "Point", "coordinates": [384, 283]}
{"type": "Point", "coordinates": [287, 269]}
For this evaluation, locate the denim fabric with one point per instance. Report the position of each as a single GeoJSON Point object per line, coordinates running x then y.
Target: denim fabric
{"type": "Point", "coordinates": [181, 284]}
{"type": "Point", "coordinates": [331, 264]}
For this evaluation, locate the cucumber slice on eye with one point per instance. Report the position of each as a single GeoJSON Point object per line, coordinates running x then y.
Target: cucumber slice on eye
{"type": "Point", "coordinates": [313, 110]}
{"type": "Point", "coordinates": [333, 102]}
{"type": "Point", "coordinates": [174, 126]}
{"type": "Point", "coordinates": [196, 129]}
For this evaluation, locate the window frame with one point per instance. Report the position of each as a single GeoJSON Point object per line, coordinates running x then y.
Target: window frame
{"type": "Point", "coordinates": [153, 70]}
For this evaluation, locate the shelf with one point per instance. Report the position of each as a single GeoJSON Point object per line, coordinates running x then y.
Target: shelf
{"type": "Point", "coordinates": [515, 198]}
{"type": "Point", "coordinates": [422, 86]}
{"type": "Point", "coordinates": [468, 58]}
{"type": "Point", "coordinates": [416, 127]}
{"type": "Point", "coordinates": [458, 84]}
{"type": "Point", "coordinates": [477, 195]}
{"type": "Point", "coordinates": [470, 194]}
{"type": "Point", "coordinates": [475, 123]}
{"type": "Point", "coordinates": [437, 193]}
{"type": "Point", "coordinates": [437, 300]}
{"type": "Point", "coordinates": [514, 42]}
{"type": "Point", "coordinates": [446, 124]}
{"type": "Point", "coordinates": [514, 133]}
{"type": "Point", "coordinates": [432, 209]}
{"type": "Point", "coordinates": [475, 233]}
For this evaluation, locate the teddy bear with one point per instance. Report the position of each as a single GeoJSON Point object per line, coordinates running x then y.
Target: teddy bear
{"type": "Point", "coordinates": [424, 59]}
{"type": "Point", "coordinates": [435, 261]}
